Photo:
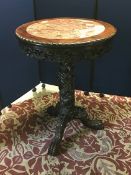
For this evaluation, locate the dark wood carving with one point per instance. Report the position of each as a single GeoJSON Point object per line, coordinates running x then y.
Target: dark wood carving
{"type": "Point", "coordinates": [66, 52]}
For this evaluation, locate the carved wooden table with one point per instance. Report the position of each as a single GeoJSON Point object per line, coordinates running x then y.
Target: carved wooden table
{"type": "Point", "coordinates": [66, 40]}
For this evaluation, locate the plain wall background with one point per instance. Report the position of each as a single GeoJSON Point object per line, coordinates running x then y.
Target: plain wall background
{"type": "Point", "coordinates": [18, 74]}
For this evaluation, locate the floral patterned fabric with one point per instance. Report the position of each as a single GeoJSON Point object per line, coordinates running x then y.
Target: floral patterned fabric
{"type": "Point", "coordinates": [26, 131]}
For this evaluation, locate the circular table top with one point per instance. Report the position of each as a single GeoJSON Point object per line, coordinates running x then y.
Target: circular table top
{"type": "Point", "coordinates": [65, 31]}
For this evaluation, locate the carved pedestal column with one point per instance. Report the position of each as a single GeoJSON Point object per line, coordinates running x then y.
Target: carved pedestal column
{"type": "Point", "coordinates": [66, 109]}
{"type": "Point", "coordinates": [66, 104]}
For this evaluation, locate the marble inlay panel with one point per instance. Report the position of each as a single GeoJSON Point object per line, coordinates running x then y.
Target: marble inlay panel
{"type": "Point", "coordinates": [65, 28]}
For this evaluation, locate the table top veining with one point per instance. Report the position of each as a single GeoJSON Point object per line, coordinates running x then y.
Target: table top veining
{"type": "Point", "coordinates": [65, 31]}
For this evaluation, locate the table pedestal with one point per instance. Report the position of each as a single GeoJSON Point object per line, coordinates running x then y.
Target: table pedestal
{"type": "Point", "coordinates": [66, 109]}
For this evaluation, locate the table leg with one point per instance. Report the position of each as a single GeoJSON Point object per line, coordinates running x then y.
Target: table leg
{"type": "Point", "coordinates": [66, 104]}
{"type": "Point", "coordinates": [53, 110]}
{"type": "Point", "coordinates": [81, 114]}
{"type": "Point", "coordinates": [66, 109]}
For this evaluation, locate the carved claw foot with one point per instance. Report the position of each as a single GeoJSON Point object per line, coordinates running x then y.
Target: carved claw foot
{"type": "Point", "coordinates": [54, 147]}
{"type": "Point", "coordinates": [93, 124]}
{"type": "Point", "coordinates": [81, 114]}
{"type": "Point", "coordinates": [55, 144]}
{"type": "Point", "coordinates": [53, 110]}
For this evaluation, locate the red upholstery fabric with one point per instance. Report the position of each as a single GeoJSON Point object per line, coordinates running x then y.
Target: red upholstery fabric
{"type": "Point", "coordinates": [26, 131]}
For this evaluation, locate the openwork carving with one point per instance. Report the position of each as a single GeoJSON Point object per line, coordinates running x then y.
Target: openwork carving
{"type": "Point", "coordinates": [59, 53]}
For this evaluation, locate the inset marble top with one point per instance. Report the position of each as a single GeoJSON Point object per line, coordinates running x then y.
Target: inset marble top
{"type": "Point", "coordinates": [65, 31]}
